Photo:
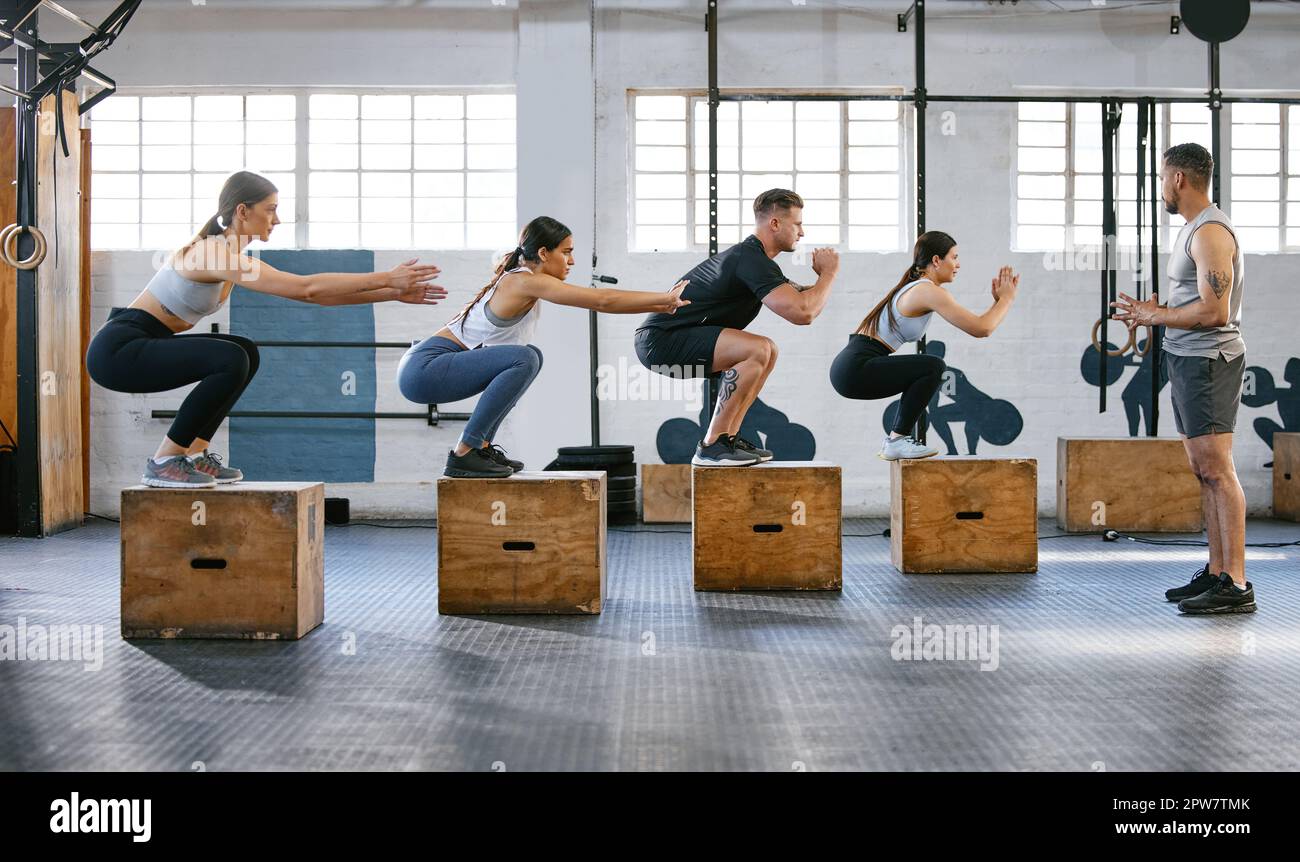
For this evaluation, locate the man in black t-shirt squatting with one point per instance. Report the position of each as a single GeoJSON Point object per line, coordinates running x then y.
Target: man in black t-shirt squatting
{"type": "Point", "coordinates": [708, 336]}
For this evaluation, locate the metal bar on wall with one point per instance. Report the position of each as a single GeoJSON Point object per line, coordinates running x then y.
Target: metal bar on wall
{"type": "Point", "coordinates": [906, 97]}
{"type": "Point", "coordinates": [323, 414]}
{"type": "Point", "coordinates": [1216, 105]}
{"type": "Point", "coordinates": [919, 103]}
{"type": "Point", "coordinates": [28, 461]}
{"type": "Point", "coordinates": [711, 24]}
{"type": "Point", "coordinates": [1155, 333]}
{"type": "Point", "coordinates": [1109, 133]}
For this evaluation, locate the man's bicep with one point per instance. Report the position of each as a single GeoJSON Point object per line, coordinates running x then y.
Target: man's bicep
{"type": "Point", "coordinates": [1213, 250]}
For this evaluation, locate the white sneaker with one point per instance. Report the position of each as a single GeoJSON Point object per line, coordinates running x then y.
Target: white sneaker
{"type": "Point", "coordinates": [904, 447]}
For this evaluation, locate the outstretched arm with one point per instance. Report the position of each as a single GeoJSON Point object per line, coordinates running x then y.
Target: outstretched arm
{"type": "Point", "coordinates": [607, 300]}
{"type": "Point", "coordinates": [408, 282]}
{"type": "Point", "coordinates": [935, 298]}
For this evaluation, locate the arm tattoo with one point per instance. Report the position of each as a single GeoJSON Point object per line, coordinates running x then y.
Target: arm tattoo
{"type": "Point", "coordinates": [1219, 282]}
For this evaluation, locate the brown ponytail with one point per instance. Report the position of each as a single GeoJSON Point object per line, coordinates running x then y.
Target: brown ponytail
{"type": "Point", "coordinates": [542, 232]}
{"type": "Point", "coordinates": [929, 245]}
{"type": "Point", "coordinates": [241, 187]}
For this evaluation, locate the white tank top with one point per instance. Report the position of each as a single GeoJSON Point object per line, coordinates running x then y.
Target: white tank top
{"type": "Point", "coordinates": [482, 327]}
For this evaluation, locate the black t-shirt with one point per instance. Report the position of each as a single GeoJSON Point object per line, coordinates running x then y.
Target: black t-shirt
{"type": "Point", "coordinates": [725, 290]}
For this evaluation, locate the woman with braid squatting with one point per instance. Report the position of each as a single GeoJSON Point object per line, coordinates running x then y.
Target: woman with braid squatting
{"type": "Point", "coordinates": [868, 367]}
{"type": "Point", "coordinates": [486, 347]}
{"type": "Point", "coordinates": [140, 349]}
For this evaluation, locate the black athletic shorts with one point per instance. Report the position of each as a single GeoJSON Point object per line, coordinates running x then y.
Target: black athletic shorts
{"type": "Point", "coordinates": [681, 353]}
{"type": "Point", "coordinates": [1206, 393]}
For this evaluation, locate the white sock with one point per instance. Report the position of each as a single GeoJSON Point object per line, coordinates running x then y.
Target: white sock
{"type": "Point", "coordinates": [162, 460]}
{"type": "Point", "coordinates": [197, 455]}
{"type": "Point", "coordinates": [1239, 587]}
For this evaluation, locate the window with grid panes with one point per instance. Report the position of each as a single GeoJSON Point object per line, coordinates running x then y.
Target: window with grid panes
{"type": "Point", "coordinates": [1265, 182]}
{"type": "Point", "coordinates": [158, 163]}
{"type": "Point", "coordinates": [843, 158]}
{"type": "Point", "coordinates": [403, 171]}
{"type": "Point", "coordinates": [1059, 173]}
{"type": "Point", "coordinates": [378, 170]}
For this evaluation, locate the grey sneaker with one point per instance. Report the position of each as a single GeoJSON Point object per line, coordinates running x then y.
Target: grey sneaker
{"type": "Point", "coordinates": [210, 464]}
{"type": "Point", "coordinates": [175, 472]}
{"type": "Point", "coordinates": [743, 445]}
{"type": "Point", "coordinates": [905, 447]}
{"type": "Point", "coordinates": [723, 452]}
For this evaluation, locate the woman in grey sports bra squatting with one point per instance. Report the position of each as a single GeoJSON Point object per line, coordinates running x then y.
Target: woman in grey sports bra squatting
{"type": "Point", "coordinates": [140, 349]}
{"type": "Point", "coordinates": [487, 348]}
{"type": "Point", "coordinates": [868, 367]}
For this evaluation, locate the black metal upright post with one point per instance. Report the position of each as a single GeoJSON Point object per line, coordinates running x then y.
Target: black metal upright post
{"type": "Point", "coordinates": [29, 431]}
{"type": "Point", "coordinates": [711, 24]}
{"type": "Point", "coordinates": [1155, 333]}
{"type": "Point", "coordinates": [593, 329]}
{"type": "Point", "coordinates": [1109, 128]}
{"type": "Point", "coordinates": [919, 102]}
{"type": "Point", "coordinates": [1216, 105]}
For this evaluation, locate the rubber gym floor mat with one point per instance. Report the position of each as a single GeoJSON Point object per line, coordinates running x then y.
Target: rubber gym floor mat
{"type": "Point", "coordinates": [1082, 666]}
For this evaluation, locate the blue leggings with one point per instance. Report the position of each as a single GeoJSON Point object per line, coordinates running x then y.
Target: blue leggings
{"type": "Point", "coordinates": [439, 371]}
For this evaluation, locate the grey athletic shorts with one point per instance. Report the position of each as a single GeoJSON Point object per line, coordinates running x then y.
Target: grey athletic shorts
{"type": "Point", "coordinates": [1206, 393]}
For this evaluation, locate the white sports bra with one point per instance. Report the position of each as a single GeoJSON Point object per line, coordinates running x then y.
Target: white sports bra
{"type": "Point", "coordinates": [483, 327]}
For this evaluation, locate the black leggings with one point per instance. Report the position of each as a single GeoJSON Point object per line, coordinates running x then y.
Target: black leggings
{"type": "Point", "coordinates": [136, 352]}
{"type": "Point", "coordinates": [865, 370]}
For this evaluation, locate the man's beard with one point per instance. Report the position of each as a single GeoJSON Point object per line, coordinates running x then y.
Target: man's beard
{"type": "Point", "coordinates": [1171, 207]}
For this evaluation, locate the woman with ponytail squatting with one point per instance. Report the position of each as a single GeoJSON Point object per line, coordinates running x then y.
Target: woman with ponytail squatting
{"type": "Point", "coordinates": [486, 347]}
{"type": "Point", "coordinates": [140, 349]}
{"type": "Point", "coordinates": [868, 368]}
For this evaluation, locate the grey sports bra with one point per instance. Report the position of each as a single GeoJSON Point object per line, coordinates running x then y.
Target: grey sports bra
{"type": "Point", "coordinates": [191, 301]}
{"type": "Point", "coordinates": [899, 330]}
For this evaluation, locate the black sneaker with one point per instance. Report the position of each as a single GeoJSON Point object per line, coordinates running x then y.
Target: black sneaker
{"type": "Point", "coordinates": [497, 454]}
{"type": "Point", "coordinates": [722, 453]}
{"type": "Point", "coordinates": [1201, 581]}
{"type": "Point", "coordinates": [1222, 598]}
{"type": "Point", "coordinates": [475, 464]}
{"type": "Point", "coordinates": [743, 445]}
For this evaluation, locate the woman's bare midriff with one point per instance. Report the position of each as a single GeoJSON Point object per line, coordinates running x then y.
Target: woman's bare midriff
{"type": "Point", "coordinates": [147, 302]}
{"type": "Point", "coordinates": [446, 333]}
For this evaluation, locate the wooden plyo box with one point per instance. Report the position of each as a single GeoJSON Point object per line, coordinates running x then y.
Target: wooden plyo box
{"type": "Point", "coordinates": [666, 493]}
{"type": "Point", "coordinates": [533, 543]}
{"type": "Point", "coordinates": [1286, 476]}
{"type": "Point", "coordinates": [964, 514]}
{"type": "Point", "coordinates": [1135, 484]}
{"type": "Point", "coordinates": [236, 561]}
{"type": "Point", "coordinates": [772, 526]}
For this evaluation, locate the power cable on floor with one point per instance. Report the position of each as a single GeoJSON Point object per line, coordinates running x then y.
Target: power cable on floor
{"type": "Point", "coordinates": [1114, 535]}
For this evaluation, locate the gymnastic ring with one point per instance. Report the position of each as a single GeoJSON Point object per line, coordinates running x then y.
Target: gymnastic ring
{"type": "Point", "coordinates": [9, 246]}
{"type": "Point", "coordinates": [1144, 351]}
{"type": "Point", "coordinates": [1096, 328]}
{"type": "Point", "coordinates": [4, 235]}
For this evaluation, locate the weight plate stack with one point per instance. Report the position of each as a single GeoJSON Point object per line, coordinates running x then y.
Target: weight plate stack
{"type": "Point", "coordinates": [619, 466]}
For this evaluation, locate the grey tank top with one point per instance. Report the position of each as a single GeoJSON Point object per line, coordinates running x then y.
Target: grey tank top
{"type": "Point", "coordinates": [191, 301]}
{"type": "Point", "coordinates": [1183, 289]}
{"type": "Point", "coordinates": [900, 329]}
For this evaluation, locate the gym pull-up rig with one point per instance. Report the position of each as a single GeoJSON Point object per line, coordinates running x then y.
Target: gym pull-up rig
{"type": "Point", "coordinates": [1212, 21]}
{"type": "Point", "coordinates": [41, 69]}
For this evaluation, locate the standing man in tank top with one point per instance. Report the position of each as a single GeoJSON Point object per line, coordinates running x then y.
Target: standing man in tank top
{"type": "Point", "coordinates": [1206, 357]}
